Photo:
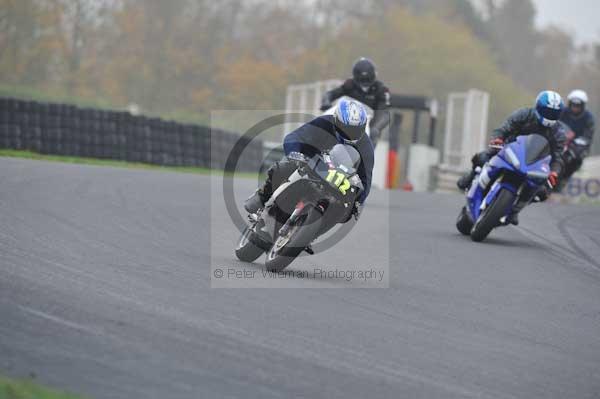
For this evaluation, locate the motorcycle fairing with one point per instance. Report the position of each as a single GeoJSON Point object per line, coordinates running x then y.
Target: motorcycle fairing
{"type": "Point", "coordinates": [501, 163]}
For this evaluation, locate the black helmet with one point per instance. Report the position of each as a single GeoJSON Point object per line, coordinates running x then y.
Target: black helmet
{"type": "Point", "coordinates": [364, 73]}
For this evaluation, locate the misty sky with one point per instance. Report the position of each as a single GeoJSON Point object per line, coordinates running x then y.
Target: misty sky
{"type": "Point", "coordinates": [581, 17]}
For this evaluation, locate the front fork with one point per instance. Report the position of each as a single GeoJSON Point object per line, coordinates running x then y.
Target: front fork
{"type": "Point", "coordinates": [292, 219]}
{"type": "Point", "coordinates": [285, 229]}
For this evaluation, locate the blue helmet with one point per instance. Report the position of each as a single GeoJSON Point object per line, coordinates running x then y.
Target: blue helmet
{"type": "Point", "coordinates": [548, 107]}
{"type": "Point", "coordinates": [350, 120]}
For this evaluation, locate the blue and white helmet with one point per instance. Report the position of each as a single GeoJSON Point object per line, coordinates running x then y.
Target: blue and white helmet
{"type": "Point", "coordinates": [548, 107]}
{"type": "Point", "coordinates": [350, 120]}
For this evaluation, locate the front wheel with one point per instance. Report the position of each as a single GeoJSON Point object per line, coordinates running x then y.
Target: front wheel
{"type": "Point", "coordinates": [291, 245]}
{"type": "Point", "coordinates": [246, 250]}
{"type": "Point", "coordinates": [491, 216]}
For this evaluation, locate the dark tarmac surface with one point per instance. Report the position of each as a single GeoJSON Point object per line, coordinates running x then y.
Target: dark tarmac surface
{"type": "Point", "coordinates": [105, 290]}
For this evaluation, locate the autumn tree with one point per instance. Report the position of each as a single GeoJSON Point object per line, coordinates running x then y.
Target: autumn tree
{"type": "Point", "coordinates": [191, 56]}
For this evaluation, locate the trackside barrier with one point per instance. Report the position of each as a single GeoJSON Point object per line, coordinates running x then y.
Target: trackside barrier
{"type": "Point", "coordinates": [444, 179]}
{"type": "Point", "coordinates": [60, 129]}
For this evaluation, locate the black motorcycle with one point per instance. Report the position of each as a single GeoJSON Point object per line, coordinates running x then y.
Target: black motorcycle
{"type": "Point", "coordinates": [575, 150]}
{"type": "Point", "coordinates": [316, 197]}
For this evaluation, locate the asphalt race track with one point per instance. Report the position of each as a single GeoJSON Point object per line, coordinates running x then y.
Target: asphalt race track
{"type": "Point", "coordinates": [105, 290]}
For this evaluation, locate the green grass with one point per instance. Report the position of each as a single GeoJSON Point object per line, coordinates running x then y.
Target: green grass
{"type": "Point", "coordinates": [114, 163]}
{"type": "Point", "coordinates": [26, 389]}
{"type": "Point", "coordinates": [95, 161]}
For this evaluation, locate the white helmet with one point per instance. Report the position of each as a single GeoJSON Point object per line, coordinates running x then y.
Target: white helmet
{"type": "Point", "coordinates": [578, 97]}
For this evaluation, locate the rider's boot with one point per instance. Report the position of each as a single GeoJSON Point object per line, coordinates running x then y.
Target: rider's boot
{"type": "Point", "coordinates": [309, 250]}
{"type": "Point", "coordinates": [276, 175]}
{"type": "Point", "coordinates": [514, 218]}
{"type": "Point", "coordinates": [258, 199]}
{"type": "Point", "coordinates": [542, 195]}
{"type": "Point", "coordinates": [465, 180]}
{"type": "Point", "coordinates": [517, 208]}
{"type": "Point", "coordinates": [255, 202]}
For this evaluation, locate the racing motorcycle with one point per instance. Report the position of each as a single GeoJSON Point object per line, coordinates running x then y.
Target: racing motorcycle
{"type": "Point", "coordinates": [497, 186]}
{"type": "Point", "coordinates": [576, 148]}
{"type": "Point", "coordinates": [318, 195]}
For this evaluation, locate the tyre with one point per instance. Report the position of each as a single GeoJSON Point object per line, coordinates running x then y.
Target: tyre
{"type": "Point", "coordinates": [491, 216]}
{"type": "Point", "coordinates": [246, 250]}
{"type": "Point", "coordinates": [463, 222]}
{"type": "Point", "coordinates": [290, 246]}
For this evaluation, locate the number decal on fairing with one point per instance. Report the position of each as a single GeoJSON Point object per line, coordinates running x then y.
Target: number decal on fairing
{"type": "Point", "coordinates": [331, 175]}
{"type": "Point", "coordinates": [339, 180]}
{"type": "Point", "coordinates": [345, 186]}
{"type": "Point", "coordinates": [342, 183]}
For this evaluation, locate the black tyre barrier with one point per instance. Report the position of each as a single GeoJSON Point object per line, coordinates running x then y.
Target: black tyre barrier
{"type": "Point", "coordinates": [63, 129]}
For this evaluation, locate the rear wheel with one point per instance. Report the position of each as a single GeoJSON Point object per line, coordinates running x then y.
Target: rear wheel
{"type": "Point", "coordinates": [463, 222]}
{"type": "Point", "coordinates": [291, 245]}
{"type": "Point", "coordinates": [491, 216]}
{"type": "Point", "coordinates": [246, 250]}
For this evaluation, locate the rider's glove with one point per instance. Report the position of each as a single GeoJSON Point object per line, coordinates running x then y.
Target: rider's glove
{"type": "Point", "coordinates": [542, 195]}
{"type": "Point", "coordinates": [297, 157]}
{"type": "Point", "coordinates": [553, 179]}
{"type": "Point", "coordinates": [496, 142]}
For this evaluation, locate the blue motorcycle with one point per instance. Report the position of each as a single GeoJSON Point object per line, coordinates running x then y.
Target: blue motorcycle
{"type": "Point", "coordinates": [498, 185]}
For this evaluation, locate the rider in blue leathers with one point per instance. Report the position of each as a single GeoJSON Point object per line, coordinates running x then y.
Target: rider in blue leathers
{"type": "Point", "coordinates": [346, 126]}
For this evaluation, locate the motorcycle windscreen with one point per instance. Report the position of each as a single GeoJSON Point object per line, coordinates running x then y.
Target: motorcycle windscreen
{"type": "Point", "coordinates": [537, 148]}
{"type": "Point", "coordinates": [342, 154]}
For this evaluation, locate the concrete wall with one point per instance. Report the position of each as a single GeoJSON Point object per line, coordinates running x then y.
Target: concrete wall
{"type": "Point", "coordinates": [590, 168]}
{"type": "Point", "coordinates": [381, 162]}
{"type": "Point", "coordinates": [421, 158]}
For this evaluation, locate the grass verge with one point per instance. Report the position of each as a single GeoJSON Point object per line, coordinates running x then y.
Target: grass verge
{"type": "Point", "coordinates": [115, 163]}
{"type": "Point", "coordinates": [26, 389]}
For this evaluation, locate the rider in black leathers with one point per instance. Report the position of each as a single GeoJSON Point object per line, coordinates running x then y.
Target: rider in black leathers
{"type": "Point", "coordinates": [524, 121]}
{"type": "Point", "coordinates": [581, 122]}
{"type": "Point", "coordinates": [365, 88]}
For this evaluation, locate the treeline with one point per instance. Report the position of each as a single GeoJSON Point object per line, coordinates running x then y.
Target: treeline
{"type": "Point", "coordinates": [187, 57]}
